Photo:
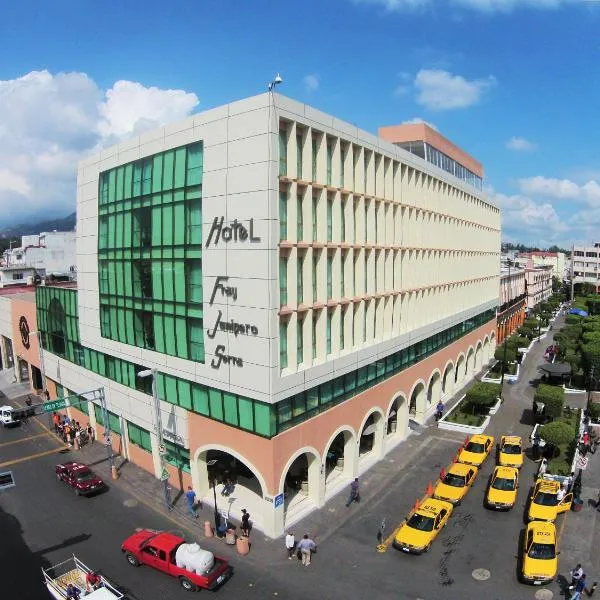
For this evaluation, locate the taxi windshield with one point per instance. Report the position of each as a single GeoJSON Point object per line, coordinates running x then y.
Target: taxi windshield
{"type": "Point", "coordinates": [546, 499]}
{"type": "Point", "coordinates": [542, 551]}
{"type": "Point", "coordinates": [511, 449]}
{"type": "Point", "coordinates": [504, 484]}
{"type": "Point", "coordinates": [421, 522]}
{"type": "Point", "coordinates": [454, 480]}
{"type": "Point", "coordinates": [474, 447]}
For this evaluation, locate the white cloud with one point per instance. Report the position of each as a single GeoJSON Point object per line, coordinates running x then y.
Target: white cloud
{"type": "Point", "coordinates": [416, 120]}
{"type": "Point", "coordinates": [441, 90]}
{"type": "Point", "coordinates": [396, 5]}
{"type": "Point", "coordinates": [509, 5]}
{"type": "Point", "coordinates": [49, 121]}
{"type": "Point", "coordinates": [520, 144]}
{"type": "Point", "coordinates": [562, 189]}
{"type": "Point", "coordinates": [311, 83]}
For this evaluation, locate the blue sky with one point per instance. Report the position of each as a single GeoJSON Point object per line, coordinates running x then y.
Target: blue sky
{"type": "Point", "coordinates": [515, 83]}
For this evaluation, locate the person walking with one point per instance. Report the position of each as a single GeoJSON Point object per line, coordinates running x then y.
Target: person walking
{"type": "Point", "coordinates": [245, 526]}
{"type": "Point", "coordinates": [190, 497]}
{"type": "Point", "coordinates": [354, 493]}
{"type": "Point", "coordinates": [439, 410]}
{"type": "Point", "coordinates": [290, 544]}
{"type": "Point", "coordinates": [306, 547]}
{"type": "Point", "coordinates": [55, 421]}
{"type": "Point", "coordinates": [576, 575]}
{"type": "Point", "coordinates": [579, 588]}
{"type": "Point", "coordinates": [90, 432]}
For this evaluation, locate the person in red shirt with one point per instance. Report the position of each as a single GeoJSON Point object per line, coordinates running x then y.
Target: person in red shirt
{"type": "Point", "coordinates": [92, 581]}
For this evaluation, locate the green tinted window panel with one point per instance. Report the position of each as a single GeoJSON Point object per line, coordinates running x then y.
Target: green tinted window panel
{"type": "Point", "coordinates": [181, 337]}
{"type": "Point", "coordinates": [128, 181]}
{"type": "Point", "coordinates": [167, 229]}
{"type": "Point", "coordinates": [194, 222]}
{"type": "Point", "coordinates": [168, 278]}
{"type": "Point", "coordinates": [200, 402]}
{"type": "Point", "coordinates": [179, 273]}
{"type": "Point", "coordinates": [194, 164]}
{"type": "Point", "coordinates": [112, 180]}
{"type": "Point", "coordinates": [264, 421]}
{"type": "Point", "coordinates": [179, 233]}
{"type": "Point", "coordinates": [157, 167]}
{"type": "Point", "coordinates": [216, 404]}
{"type": "Point", "coordinates": [168, 166]}
{"type": "Point", "coordinates": [171, 389]}
{"type": "Point", "coordinates": [114, 423]}
{"type": "Point", "coordinates": [170, 335]}
{"type": "Point", "coordinates": [230, 406]}
{"type": "Point", "coordinates": [147, 176]}
{"type": "Point", "coordinates": [120, 182]}
{"type": "Point", "coordinates": [180, 167]}
{"type": "Point", "coordinates": [246, 413]}
{"type": "Point", "coordinates": [177, 456]}
{"type": "Point", "coordinates": [159, 333]}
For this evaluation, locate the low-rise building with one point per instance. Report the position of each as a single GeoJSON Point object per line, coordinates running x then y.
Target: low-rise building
{"type": "Point", "coordinates": [586, 265]}
{"type": "Point", "coordinates": [538, 286]}
{"type": "Point", "coordinates": [513, 300]}
{"type": "Point", "coordinates": [531, 260]}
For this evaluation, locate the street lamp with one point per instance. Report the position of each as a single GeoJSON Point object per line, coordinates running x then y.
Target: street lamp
{"type": "Point", "coordinates": [159, 432]}
{"type": "Point", "coordinates": [212, 463]}
{"type": "Point", "coordinates": [275, 82]}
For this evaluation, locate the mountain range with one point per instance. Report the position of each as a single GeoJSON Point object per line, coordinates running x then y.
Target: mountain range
{"type": "Point", "coordinates": [15, 232]}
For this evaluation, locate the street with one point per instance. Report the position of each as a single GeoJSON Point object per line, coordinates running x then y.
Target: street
{"type": "Point", "coordinates": [476, 554]}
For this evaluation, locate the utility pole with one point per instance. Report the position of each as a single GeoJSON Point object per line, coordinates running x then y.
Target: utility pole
{"type": "Point", "coordinates": [107, 434]}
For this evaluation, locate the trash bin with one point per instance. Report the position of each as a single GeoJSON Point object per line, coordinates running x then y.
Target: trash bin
{"type": "Point", "coordinates": [577, 505]}
{"type": "Point", "coordinates": [208, 529]}
{"type": "Point", "coordinates": [242, 545]}
{"type": "Point", "coordinates": [230, 537]}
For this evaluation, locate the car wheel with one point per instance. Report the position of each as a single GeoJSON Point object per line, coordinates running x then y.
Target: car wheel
{"type": "Point", "coordinates": [132, 560]}
{"type": "Point", "coordinates": [187, 585]}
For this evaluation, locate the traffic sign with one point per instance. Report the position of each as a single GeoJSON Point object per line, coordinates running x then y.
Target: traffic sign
{"type": "Point", "coordinates": [55, 405]}
{"type": "Point", "coordinates": [582, 462]}
{"type": "Point", "coordinates": [164, 476]}
{"type": "Point", "coordinates": [278, 500]}
{"type": "Point", "coordinates": [162, 449]}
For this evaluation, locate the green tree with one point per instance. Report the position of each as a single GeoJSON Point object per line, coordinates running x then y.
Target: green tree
{"type": "Point", "coordinates": [557, 433]}
{"type": "Point", "coordinates": [553, 398]}
{"type": "Point", "coordinates": [482, 395]}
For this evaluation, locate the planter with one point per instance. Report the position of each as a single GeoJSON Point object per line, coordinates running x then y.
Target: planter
{"type": "Point", "coordinates": [467, 429]}
{"type": "Point", "coordinates": [494, 409]}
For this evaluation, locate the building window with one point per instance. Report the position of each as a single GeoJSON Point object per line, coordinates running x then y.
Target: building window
{"type": "Point", "coordinates": [355, 155]}
{"type": "Point", "coordinates": [283, 223]}
{"type": "Point", "coordinates": [196, 339]}
{"type": "Point", "coordinates": [343, 277]}
{"type": "Point", "coordinates": [300, 279]}
{"type": "Point", "coordinates": [314, 334]}
{"type": "Point", "coordinates": [300, 341]}
{"type": "Point", "coordinates": [329, 160]}
{"type": "Point", "coordinates": [299, 218]}
{"type": "Point", "coordinates": [177, 456]}
{"type": "Point", "coordinates": [102, 232]}
{"type": "Point", "coordinates": [328, 332]}
{"type": "Point", "coordinates": [329, 219]}
{"type": "Point", "coordinates": [193, 280]}
{"type": "Point", "coordinates": [139, 437]}
{"type": "Point", "coordinates": [283, 352]}
{"type": "Point", "coordinates": [315, 261]}
{"type": "Point", "coordinates": [283, 298]}
{"type": "Point", "coordinates": [142, 227]}
{"type": "Point", "coordinates": [343, 220]}
{"type": "Point", "coordinates": [144, 329]}
{"type": "Point", "coordinates": [314, 158]}
{"type": "Point", "coordinates": [142, 278]}
{"type": "Point", "coordinates": [314, 218]}
{"type": "Point", "coordinates": [329, 277]}
{"type": "Point", "coordinates": [343, 152]}
{"type": "Point", "coordinates": [299, 155]}
{"type": "Point", "coordinates": [193, 211]}
{"type": "Point", "coordinates": [195, 163]}
{"type": "Point", "coordinates": [342, 328]}
{"type": "Point", "coordinates": [17, 276]}
{"type": "Point", "coordinates": [282, 150]}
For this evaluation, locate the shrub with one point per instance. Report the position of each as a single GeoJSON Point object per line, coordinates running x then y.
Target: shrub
{"type": "Point", "coordinates": [483, 394]}
{"type": "Point", "coordinates": [511, 353]}
{"type": "Point", "coordinates": [557, 433]}
{"type": "Point", "coordinates": [594, 410]}
{"type": "Point", "coordinates": [553, 399]}
{"type": "Point", "coordinates": [572, 319]}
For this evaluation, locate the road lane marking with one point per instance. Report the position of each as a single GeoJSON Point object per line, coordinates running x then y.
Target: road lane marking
{"type": "Point", "coordinates": [31, 437]}
{"type": "Point", "coordinates": [31, 457]}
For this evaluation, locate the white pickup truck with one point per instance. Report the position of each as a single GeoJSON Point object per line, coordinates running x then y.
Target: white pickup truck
{"type": "Point", "coordinates": [73, 571]}
{"type": "Point", "coordinates": [6, 416]}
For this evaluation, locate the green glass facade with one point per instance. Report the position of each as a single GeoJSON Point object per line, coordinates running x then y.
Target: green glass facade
{"type": "Point", "coordinates": [150, 253]}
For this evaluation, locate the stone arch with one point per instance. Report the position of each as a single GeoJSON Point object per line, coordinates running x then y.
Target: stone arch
{"type": "Point", "coordinates": [418, 399]}
{"type": "Point", "coordinates": [434, 388]}
{"type": "Point", "coordinates": [469, 366]}
{"type": "Point", "coordinates": [486, 350]}
{"type": "Point", "coordinates": [339, 454]}
{"type": "Point", "coordinates": [478, 356]}
{"type": "Point", "coordinates": [448, 379]}
{"type": "Point", "coordinates": [398, 404]}
{"type": "Point", "coordinates": [300, 478]}
{"type": "Point", "coordinates": [459, 371]}
{"type": "Point", "coordinates": [370, 437]}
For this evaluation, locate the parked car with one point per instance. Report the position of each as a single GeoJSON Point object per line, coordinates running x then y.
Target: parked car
{"type": "Point", "coordinates": [502, 490]}
{"type": "Point", "coordinates": [544, 503]}
{"type": "Point", "coordinates": [456, 483]}
{"type": "Point", "coordinates": [476, 450]}
{"type": "Point", "coordinates": [511, 451]}
{"type": "Point", "coordinates": [80, 477]}
{"type": "Point", "coordinates": [194, 567]}
{"type": "Point", "coordinates": [540, 558]}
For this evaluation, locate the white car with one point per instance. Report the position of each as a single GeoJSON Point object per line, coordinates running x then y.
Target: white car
{"type": "Point", "coordinates": [6, 416]}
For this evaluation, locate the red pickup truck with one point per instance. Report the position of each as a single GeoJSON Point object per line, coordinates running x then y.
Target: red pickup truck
{"type": "Point", "coordinates": [195, 568]}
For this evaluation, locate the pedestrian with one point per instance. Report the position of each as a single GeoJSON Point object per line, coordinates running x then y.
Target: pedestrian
{"type": "Point", "coordinates": [77, 440]}
{"type": "Point", "coordinates": [290, 544]}
{"type": "Point", "coordinates": [55, 421]}
{"type": "Point", "coordinates": [579, 587]}
{"type": "Point", "coordinates": [306, 547]}
{"type": "Point", "coordinates": [92, 581]}
{"type": "Point", "coordinates": [245, 526]}
{"type": "Point", "coordinates": [576, 575]}
{"type": "Point", "coordinates": [354, 493]}
{"type": "Point", "coordinates": [90, 432]}
{"type": "Point", "coordinates": [543, 467]}
{"type": "Point", "coordinates": [168, 496]}
{"type": "Point", "coordinates": [73, 592]}
{"type": "Point", "coordinates": [439, 410]}
{"type": "Point", "coordinates": [190, 496]}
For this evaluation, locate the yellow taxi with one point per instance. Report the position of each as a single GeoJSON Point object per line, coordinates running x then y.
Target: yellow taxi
{"type": "Point", "coordinates": [477, 450]}
{"type": "Point", "coordinates": [511, 451]}
{"type": "Point", "coordinates": [502, 491]}
{"type": "Point", "coordinates": [548, 501]}
{"type": "Point", "coordinates": [422, 526]}
{"type": "Point", "coordinates": [456, 483]}
{"type": "Point", "coordinates": [540, 558]}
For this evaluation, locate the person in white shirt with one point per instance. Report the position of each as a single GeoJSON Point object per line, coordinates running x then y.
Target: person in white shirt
{"type": "Point", "coordinates": [560, 494]}
{"type": "Point", "coordinates": [290, 544]}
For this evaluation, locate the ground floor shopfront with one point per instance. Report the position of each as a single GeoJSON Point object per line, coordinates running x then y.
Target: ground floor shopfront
{"type": "Point", "coordinates": [281, 479]}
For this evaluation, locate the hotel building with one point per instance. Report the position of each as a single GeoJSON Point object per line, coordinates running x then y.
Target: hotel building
{"type": "Point", "coordinates": [302, 288]}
